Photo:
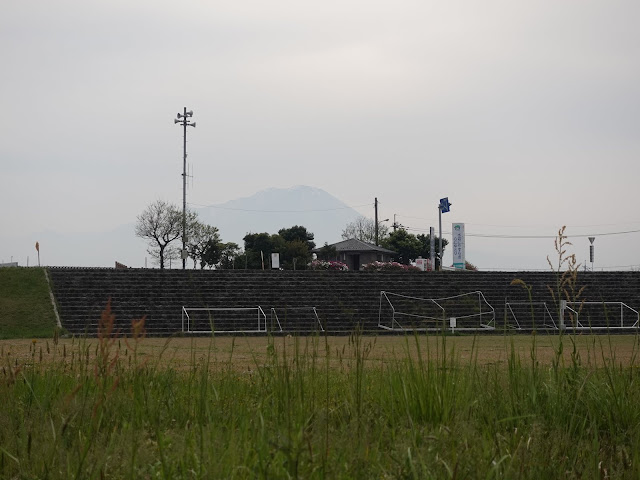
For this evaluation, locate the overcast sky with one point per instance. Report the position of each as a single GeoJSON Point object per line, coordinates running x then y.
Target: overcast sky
{"type": "Point", "coordinates": [526, 114]}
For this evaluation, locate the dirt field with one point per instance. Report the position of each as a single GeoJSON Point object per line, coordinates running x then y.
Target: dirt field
{"type": "Point", "coordinates": [246, 353]}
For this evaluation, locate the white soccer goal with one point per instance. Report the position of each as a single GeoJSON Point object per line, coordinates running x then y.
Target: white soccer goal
{"type": "Point", "coordinates": [529, 315]}
{"type": "Point", "coordinates": [572, 316]}
{"type": "Point", "coordinates": [298, 319]}
{"type": "Point", "coordinates": [598, 316]}
{"type": "Point", "coordinates": [224, 320]}
{"type": "Point", "coordinates": [464, 312]}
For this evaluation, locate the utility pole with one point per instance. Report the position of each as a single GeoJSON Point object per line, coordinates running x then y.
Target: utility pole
{"type": "Point", "coordinates": [183, 119]}
{"type": "Point", "coordinates": [440, 230]}
{"type": "Point", "coordinates": [376, 209]}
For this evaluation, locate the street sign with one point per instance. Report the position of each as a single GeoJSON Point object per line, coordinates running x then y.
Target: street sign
{"type": "Point", "coordinates": [445, 206]}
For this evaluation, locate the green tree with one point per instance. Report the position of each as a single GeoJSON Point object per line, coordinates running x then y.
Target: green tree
{"type": "Point", "coordinates": [297, 232]}
{"type": "Point", "coordinates": [202, 241]}
{"type": "Point", "coordinates": [425, 249]}
{"type": "Point", "coordinates": [228, 256]}
{"type": "Point", "coordinates": [292, 244]}
{"type": "Point", "coordinates": [405, 243]}
{"type": "Point", "coordinates": [211, 254]}
{"type": "Point", "coordinates": [296, 255]}
{"type": "Point", "coordinates": [261, 245]}
{"type": "Point", "coordinates": [327, 252]}
{"type": "Point", "coordinates": [298, 243]}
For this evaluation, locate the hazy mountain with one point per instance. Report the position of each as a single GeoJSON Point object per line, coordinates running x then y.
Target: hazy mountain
{"type": "Point", "coordinates": [266, 211]}
{"type": "Point", "coordinates": [275, 208]}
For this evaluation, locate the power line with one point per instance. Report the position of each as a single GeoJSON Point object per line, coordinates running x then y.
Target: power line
{"type": "Point", "coordinates": [528, 226]}
{"type": "Point", "coordinates": [219, 207]}
{"type": "Point", "coordinates": [531, 237]}
{"type": "Point", "coordinates": [482, 235]}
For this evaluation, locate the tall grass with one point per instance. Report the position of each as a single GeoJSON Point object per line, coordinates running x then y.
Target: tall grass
{"type": "Point", "coordinates": [25, 305]}
{"type": "Point", "coordinates": [104, 409]}
{"type": "Point", "coordinates": [305, 411]}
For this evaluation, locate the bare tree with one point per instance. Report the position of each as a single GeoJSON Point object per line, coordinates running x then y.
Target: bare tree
{"type": "Point", "coordinates": [160, 224]}
{"type": "Point", "coordinates": [364, 229]}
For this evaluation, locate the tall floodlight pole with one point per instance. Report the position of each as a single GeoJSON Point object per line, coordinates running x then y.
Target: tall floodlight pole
{"type": "Point", "coordinates": [183, 119]}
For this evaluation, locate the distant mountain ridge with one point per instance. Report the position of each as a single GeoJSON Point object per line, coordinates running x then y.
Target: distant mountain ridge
{"type": "Point", "coordinates": [271, 209]}
{"type": "Point", "coordinates": [266, 211]}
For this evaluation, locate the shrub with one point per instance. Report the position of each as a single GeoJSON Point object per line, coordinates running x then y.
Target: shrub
{"type": "Point", "coordinates": [328, 265]}
{"type": "Point", "coordinates": [388, 267]}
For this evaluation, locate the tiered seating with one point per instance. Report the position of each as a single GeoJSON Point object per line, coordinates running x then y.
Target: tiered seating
{"type": "Point", "coordinates": [342, 300]}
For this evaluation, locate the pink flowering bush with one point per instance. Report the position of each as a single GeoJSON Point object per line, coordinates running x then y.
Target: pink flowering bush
{"type": "Point", "coordinates": [328, 265]}
{"type": "Point", "coordinates": [388, 267]}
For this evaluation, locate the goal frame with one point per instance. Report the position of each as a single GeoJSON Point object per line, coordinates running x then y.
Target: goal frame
{"type": "Point", "coordinates": [261, 319]}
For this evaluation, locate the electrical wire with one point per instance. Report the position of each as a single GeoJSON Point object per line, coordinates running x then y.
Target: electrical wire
{"type": "Point", "coordinates": [219, 207]}
{"type": "Point", "coordinates": [531, 237]}
{"type": "Point", "coordinates": [637, 222]}
{"type": "Point", "coordinates": [568, 235]}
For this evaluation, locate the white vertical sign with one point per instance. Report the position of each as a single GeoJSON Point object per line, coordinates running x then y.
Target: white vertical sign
{"type": "Point", "coordinates": [432, 246]}
{"type": "Point", "coordinates": [458, 245]}
{"type": "Point", "coordinates": [275, 260]}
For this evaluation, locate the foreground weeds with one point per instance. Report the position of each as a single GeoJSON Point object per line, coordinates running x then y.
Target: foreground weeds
{"type": "Point", "coordinates": [305, 410]}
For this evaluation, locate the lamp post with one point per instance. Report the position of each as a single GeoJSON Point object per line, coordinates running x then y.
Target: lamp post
{"type": "Point", "coordinates": [183, 119]}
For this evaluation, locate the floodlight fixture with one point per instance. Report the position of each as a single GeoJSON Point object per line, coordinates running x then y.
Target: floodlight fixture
{"type": "Point", "coordinates": [182, 119]}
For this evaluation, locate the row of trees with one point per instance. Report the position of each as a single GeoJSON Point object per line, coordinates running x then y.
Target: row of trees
{"type": "Point", "coordinates": [293, 245]}
{"type": "Point", "coordinates": [407, 245]}
{"type": "Point", "coordinates": [161, 226]}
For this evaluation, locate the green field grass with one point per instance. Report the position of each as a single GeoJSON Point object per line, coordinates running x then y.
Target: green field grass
{"type": "Point", "coordinates": [25, 305]}
{"type": "Point", "coordinates": [305, 409]}
{"type": "Point", "coordinates": [414, 407]}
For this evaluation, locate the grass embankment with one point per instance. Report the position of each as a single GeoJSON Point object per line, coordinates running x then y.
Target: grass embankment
{"type": "Point", "coordinates": [25, 305]}
{"type": "Point", "coordinates": [304, 408]}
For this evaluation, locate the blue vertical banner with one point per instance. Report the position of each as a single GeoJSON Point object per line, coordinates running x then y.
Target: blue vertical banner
{"type": "Point", "coordinates": [458, 245]}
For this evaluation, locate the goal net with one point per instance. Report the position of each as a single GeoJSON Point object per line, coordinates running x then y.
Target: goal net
{"type": "Point", "coordinates": [598, 316]}
{"type": "Point", "coordinates": [530, 316]}
{"type": "Point", "coordinates": [467, 311]}
{"type": "Point", "coordinates": [223, 320]}
{"type": "Point", "coordinates": [296, 319]}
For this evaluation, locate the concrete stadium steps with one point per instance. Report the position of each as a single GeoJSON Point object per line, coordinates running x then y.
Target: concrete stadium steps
{"type": "Point", "coordinates": [342, 299]}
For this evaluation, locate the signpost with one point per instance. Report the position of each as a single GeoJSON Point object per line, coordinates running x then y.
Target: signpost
{"type": "Point", "coordinates": [591, 240]}
{"type": "Point", "coordinates": [458, 245]}
{"type": "Point", "coordinates": [443, 207]}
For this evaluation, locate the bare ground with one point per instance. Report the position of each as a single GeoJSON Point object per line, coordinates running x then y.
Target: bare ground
{"type": "Point", "coordinates": [248, 353]}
